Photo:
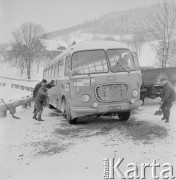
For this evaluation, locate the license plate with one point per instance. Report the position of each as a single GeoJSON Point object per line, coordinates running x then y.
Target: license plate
{"type": "Point", "coordinates": [113, 108]}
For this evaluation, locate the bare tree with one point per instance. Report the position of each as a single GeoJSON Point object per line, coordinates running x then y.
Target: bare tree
{"type": "Point", "coordinates": [136, 42]}
{"type": "Point", "coordinates": [27, 38]}
{"type": "Point", "coordinates": [39, 54]}
{"type": "Point", "coordinates": [160, 29]}
{"type": "Point", "coordinates": [4, 52]}
{"type": "Point", "coordinates": [17, 56]}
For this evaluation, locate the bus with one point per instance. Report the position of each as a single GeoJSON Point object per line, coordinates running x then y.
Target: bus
{"type": "Point", "coordinates": [95, 78]}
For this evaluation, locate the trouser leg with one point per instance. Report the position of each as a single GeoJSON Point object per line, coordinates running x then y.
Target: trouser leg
{"type": "Point", "coordinates": [34, 107]}
{"type": "Point", "coordinates": [34, 110]}
{"type": "Point", "coordinates": [35, 114]}
{"type": "Point", "coordinates": [40, 112]}
{"type": "Point", "coordinates": [40, 115]}
{"type": "Point", "coordinates": [163, 109]}
{"type": "Point", "coordinates": [166, 110]}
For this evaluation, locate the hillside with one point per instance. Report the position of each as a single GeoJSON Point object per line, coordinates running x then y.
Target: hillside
{"type": "Point", "coordinates": [119, 23]}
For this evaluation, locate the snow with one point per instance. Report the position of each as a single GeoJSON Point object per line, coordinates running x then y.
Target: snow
{"type": "Point", "coordinates": [9, 70]}
{"type": "Point", "coordinates": [147, 56]}
{"type": "Point", "coordinates": [54, 150]}
{"type": "Point", "coordinates": [11, 94]}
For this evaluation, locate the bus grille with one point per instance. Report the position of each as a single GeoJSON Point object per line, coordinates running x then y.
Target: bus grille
{"type": "Point", "coordinates": [111, 92]}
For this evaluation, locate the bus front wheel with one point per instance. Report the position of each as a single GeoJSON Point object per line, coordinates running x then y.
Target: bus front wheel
{"type": "Point", "coordinates": [124, 116]}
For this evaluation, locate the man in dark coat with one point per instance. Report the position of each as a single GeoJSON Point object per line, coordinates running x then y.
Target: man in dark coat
{"type": "Point", "coordinates": [50, 85]}
{"type": "Point", "coordinates": [40, 101]}
{"type": "Point", "coordinates": [168, 96]}
{"type": "Point", "coordinates": [36, 89]}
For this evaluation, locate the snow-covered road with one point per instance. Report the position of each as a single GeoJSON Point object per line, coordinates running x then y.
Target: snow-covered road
{"type": "Point", "coordinates": [53, 149]}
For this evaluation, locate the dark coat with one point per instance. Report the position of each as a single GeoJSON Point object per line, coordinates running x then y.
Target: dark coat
{"type": "Point", "coordinates": [168, 93]}
{"type": "Point", "coordinates": [41, 98]}
{"type": "Point", "coordinates": [50, 85]}
{"type": "Point", "coordinates": [36, 89]}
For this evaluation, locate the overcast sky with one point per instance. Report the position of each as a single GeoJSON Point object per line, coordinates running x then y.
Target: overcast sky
{"type": "Point", "coordinates": [56, 14]}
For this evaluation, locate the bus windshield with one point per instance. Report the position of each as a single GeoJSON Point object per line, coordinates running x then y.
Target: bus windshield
{"type": "Point", "coordinates": [120, 60]}
{"type": "Point", "coordinates": [89, 61]}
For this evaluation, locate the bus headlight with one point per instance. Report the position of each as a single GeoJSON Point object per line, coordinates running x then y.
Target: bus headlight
{"type": "Point", "coordinates": [85, 98]}
{"type": "Point", "coordinates": [95, 105]}
{"type": "Point", "coordinates": [135, 93]}
{"type": "Point", "coordinates": [132, 101]}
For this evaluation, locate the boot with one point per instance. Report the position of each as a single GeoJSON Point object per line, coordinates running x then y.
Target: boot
{"type": "Point", "coordinates": [39, 118]}
{"type": "Point", "coordinates": [35, 116]}
{"type": "Point", "coordinates": [163, 118]}
{"type": "Point", "coordinates": [167, 121]}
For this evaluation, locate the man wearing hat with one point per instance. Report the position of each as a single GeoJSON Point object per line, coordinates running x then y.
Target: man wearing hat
{"type": "Point", "coordinates": [168, 96]}
{"type": "Point", "coordinates": [50, 85]}
{"type": "Point", "coordinates": [40, 101]}
{"type": "Point", "coordinates": [36, 89]}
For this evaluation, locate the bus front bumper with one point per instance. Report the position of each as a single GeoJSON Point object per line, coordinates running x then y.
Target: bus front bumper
{"type": "Point", "coordinates": [107, 108]}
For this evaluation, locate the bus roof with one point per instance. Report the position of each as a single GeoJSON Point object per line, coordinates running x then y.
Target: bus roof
{"type": "Point", "coordinates": [89, 45]}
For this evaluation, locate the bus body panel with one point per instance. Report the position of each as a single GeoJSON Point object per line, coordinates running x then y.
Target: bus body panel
{"type": "Point", "coordinates": [108, 79]}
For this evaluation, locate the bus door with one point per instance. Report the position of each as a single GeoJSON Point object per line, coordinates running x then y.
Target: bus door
{"type": "Point", "coordinates": [66, 80]}
{"type": "Point", "coordinates": [63, 84]}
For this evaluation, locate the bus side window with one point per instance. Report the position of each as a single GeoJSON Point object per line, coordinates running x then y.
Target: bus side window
{"type": "Point", "coordinates": [58, 69]}
{"type": "Point", "coordinates": [49, 72]}
{"type": "Point", "coordinates": [55, 70]}
{"type": "Point", "coordinates": [52, 71]}
{"type": "Point", "coordinates": [61, 67]}
{"type": "Point", "coordinates": [67, 65]}
{"type": "Point", "coordinates": [44, 74]}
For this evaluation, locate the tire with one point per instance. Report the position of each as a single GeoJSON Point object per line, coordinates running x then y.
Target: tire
{"type": "Point", "coordinates": [72, 121]}
{"type": "Point", "coordinates": [65, 109]}
{"type": "Point", "coordinates": [124, 116]}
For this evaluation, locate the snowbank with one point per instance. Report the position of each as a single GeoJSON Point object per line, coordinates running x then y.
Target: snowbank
{"type": "Point", "coordinates": [10, 94]}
